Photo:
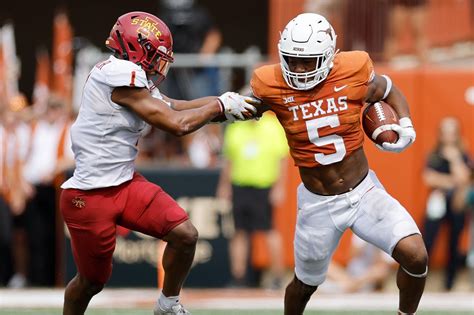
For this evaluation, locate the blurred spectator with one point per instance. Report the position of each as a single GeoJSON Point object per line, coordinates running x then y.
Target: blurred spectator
{"type": "Point", "coordinates": [49, 155]}
{"type": "Point", "coordinates": [203, 146]}
{"type": "Point", "coordinates": [253, 178]}
{"type": "Point", "coordinates": [446, 172]}
{"type": "Point", "coordinates": [5, 212]}
{"type": "Point", "coordinates": [463, 199]}
{"type": "Point", "coordinates": [5, 238]}
{"type": "Point", "coordinates": [194, 32]}
{"type": "Point", "coordinates": [14, 190]}
{"type": "Point", "coordinates": [402, 12]}
{"type": "Point", "coordinates": [367, 270]}
{"type": "Point", "coordinates": [13, 241]}
{"type": "Point", "coordinates": [328, 8]}
{"type": "Point", "coordinates": [158, 146]}
{"type": "Point", "coordinates": [365, 26]}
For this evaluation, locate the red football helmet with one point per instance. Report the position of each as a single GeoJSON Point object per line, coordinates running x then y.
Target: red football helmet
{"type": "Point", "coordinates": [144, 39]}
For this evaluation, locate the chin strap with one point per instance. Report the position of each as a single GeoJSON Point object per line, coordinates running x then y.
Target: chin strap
{"type": "Point", "coordinates": [422, 275]}
{"type": "Point", "coordinates": [124, 54]}
{"type": "Point", "coordinates": [401, 313]}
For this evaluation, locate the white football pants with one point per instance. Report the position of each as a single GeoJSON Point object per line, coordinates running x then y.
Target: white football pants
{"type": "Point", "coordinates": [368, 210]}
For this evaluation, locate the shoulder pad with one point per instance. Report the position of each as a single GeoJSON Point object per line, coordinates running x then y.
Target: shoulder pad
{"type": "Point", "coordinates": [355, 65]}
{"type": "Point", "coordinates": [118, 72]}
{"type": "Point", "coordinates": [264, 81]}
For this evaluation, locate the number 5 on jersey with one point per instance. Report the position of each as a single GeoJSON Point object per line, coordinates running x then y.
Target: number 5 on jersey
{"type": "Point", "coordinates": [338, 142]}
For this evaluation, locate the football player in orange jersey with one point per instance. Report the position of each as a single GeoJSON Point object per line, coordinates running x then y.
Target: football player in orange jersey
{"type": "Point", "coordinates": [317, 95]}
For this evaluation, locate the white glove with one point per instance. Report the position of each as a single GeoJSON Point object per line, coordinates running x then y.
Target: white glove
{"type": "Point", "coordinates": [235, 106]}
{"type": "Point", "coordinates": [406, 136]}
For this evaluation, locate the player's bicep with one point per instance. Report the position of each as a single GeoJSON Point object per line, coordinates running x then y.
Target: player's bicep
{"type": "Point", "coordinates": [152, 110]}
{"type": "Point", "coordinates": [173, 104]}
{"type": "Point", "coordinates": [376, 89]}
{"type": "Point", "coordinates": [136, 99]}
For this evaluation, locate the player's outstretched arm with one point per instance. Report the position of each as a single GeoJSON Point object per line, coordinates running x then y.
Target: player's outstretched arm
{"type": "Point", "coordinates": [157, 112]}
{"type": "Point", "coordinates": [228, 101]}
{"type": "Point", "coordinates": [381, 88]}
{"type": "Point", "coordinates": [160, 115]}
{"type": "Point", "coordinates": [199, 102]}
{"type": "Point", "coordinates": [184, 105]}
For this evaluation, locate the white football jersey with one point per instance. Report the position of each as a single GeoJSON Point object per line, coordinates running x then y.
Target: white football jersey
{"type": "Point", "coordinates": [105, 134]}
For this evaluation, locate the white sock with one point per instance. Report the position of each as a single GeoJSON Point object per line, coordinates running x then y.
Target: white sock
{"type": "Point", "coordinates": [167, 302]}
{"type": "Point", "coordinates": [401, 313]}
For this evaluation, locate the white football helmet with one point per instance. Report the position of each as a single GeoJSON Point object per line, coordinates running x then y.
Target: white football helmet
{"type": "Point", "coordinates": [308, 35]}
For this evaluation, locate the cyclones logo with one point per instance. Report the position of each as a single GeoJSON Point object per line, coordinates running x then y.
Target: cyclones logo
{"type": "Point", "coordinates": [147, 27]}
{"type": "Point", "coordinates": [78, 202]}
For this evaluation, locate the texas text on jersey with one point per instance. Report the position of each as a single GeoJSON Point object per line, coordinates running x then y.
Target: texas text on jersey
{"type": "Point", "coordinates": [322, 124]}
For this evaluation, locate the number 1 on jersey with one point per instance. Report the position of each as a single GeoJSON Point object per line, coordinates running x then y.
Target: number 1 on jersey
{"type": "Point", "coordinates": [338, 142]}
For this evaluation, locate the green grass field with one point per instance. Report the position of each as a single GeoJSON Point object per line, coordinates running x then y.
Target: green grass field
{"type": "Point", "coordinates": [216, 312]}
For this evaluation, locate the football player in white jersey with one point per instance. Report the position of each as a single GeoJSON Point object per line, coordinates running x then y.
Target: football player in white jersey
{"type": "Point", "coordinates": [120, 97]}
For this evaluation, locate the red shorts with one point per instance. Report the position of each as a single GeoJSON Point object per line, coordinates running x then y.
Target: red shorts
{"type": "Point", "coordinates": [92, 217]}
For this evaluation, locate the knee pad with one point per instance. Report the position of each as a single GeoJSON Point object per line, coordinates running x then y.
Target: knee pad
{"type": "Point", "coordinates": [421, 275]}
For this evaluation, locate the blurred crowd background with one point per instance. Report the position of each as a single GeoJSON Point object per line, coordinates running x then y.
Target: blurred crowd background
{"type": "Point", "coordinates": [427, 46]}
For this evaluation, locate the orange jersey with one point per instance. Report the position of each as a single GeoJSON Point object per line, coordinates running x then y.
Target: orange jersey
{"type": "Point", "coordinates": [322, 125]}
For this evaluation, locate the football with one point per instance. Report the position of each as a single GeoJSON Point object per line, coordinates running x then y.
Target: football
{"type": "Point", "coordinates": [376, 119]}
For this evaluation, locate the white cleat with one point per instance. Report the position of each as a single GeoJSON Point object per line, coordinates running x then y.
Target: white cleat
{"type": "Point", "coordinates": [175, 310]}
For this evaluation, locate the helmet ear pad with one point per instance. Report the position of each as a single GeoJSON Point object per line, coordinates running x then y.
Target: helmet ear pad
{"type": "Point", "coordinates": [112, 44]}
{"type": "Point", "coordinates": [308, 35]}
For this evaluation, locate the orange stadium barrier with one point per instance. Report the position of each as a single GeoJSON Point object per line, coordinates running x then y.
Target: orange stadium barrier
{"type": "Point", "coordinates": [440, 30]}
{"type": "Point", "coordinates": [433, 94]}
{"type": "Point", "coordinates": [447, 22]}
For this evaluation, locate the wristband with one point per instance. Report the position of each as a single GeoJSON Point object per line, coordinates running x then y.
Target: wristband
{"type": "Point", "coordinates": [221, 105]}
{"type": "Point", "coordinates": [405, 122]}
{"type": "Point", "coordinates": [388, 88]}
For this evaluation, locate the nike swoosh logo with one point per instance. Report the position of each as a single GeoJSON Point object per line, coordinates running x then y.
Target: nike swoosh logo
{"type": "Point", "coordinates": [337, 89]}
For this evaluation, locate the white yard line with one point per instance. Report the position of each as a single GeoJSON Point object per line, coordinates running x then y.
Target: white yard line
{"type": "Point", "coordinates": [224, 299]}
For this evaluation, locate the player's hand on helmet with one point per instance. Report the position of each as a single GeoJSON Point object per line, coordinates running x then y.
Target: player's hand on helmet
{"type": "Point", "coordinates": [237, 107]}
{"type": "Point", "coordinates": [406, 136]}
